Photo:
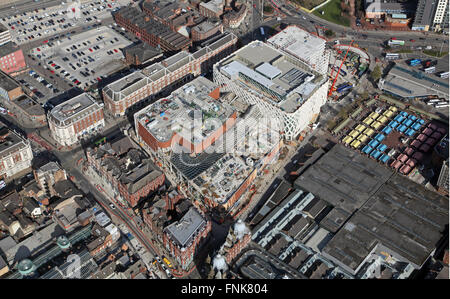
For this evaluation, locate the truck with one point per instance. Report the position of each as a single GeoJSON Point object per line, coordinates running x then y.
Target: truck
{"type": "Point", "coordinates": [414, 62]}
{"type": "Point", "coordinates": [344, 87]}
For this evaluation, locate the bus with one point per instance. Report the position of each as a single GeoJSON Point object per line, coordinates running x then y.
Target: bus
{"type": "Point", "coordinates": [430, 70]}
{"type": "Point", "coordinates": [443, 75]}
{"type": "Point", "coordinates": [392, 56]}
{"type": "Point", "coordinates": [396, 42]}
{"type": "Point", "coordinates": [444, 104]}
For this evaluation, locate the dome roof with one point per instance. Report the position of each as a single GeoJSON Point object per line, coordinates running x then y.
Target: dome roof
{"type": "Point", "coordinates": [63, 242]}
{"type": "Point", "coordinates": [25, 267]}
{"type": "Point", "coordinates": [240, 229]}
{"type": "Point", "coordinates": [219, 263]}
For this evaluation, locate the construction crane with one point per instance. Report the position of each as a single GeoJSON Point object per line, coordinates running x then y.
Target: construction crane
{"type": "Point", "coordinates": [337, 74]}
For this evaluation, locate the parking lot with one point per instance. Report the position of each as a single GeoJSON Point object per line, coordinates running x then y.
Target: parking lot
{"type": "Point", "coordinates": [85, 58]}
{"type": "Point", "coordinates": [42, 89]}
{"type": "Point", "coordinates": [28, 26]}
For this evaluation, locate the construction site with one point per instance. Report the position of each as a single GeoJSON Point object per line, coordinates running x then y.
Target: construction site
{"type": "Point", "coordinates": [215, 164]}
{"type": "Point", "coordinates": [348, 64]}
{"type": "Point", "coordinates": [280, 84]}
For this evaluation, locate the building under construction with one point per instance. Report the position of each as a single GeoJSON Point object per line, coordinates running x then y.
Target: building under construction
{"type": "Point", "coordinates": [282, 86]}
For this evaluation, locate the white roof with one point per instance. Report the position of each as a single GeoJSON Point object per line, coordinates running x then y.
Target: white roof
{"type": "Point", "coordinates": [268, 70]}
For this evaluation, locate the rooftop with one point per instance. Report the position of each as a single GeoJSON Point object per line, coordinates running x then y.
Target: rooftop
{"type": "Point", "coordinates": [344, 178]}
{"type": "Point", "coordinates": [30, 106]}
{"type": "Point", "coordinates": [213, 5]}
{"type": "Point", "coordinates": [141, 20]}
{"type": "Point", "coordinates": [73, 109]}
{"type": "Point", "coordinates": [8, 48]}
{"type": "Point", "coordinates": [127, 163]}
{"type": "Point", "coordinates": [384, 211]}
{"type": "Point", "coordinates": [7, 83]}
{"type": "Point", "coordinates": [10, 141]}
{"type": "Point", "coordinates": [184, 231]}
{"type": "Point", "coordinates": [125, 86]}
{"type": "Point", "coordinates": [144, 52]}
{"type": "Point", "coordinates": [190, 112]}
{"type": "Point", "coordinates": [285, 81]}
{"type": "Point", "coordinates": [407, 82]}
{"type": "Point", "coordinates": [298, 42]}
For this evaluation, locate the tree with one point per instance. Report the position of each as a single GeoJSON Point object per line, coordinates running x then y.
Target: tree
{"type": "Point", "coordinates": [329, 33]}
{"type": "Point", "coordinates": [375, 75]}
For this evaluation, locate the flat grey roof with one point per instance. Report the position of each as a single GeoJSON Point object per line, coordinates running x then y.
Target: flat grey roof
{"type": "Point", "coordinates": [344, 178]}
{"type": "Point", "coordinates": [7, 83]}
{"type": "Point", "coordinates": [68, 111]}
{"type": "Point", "coordinates": [407, 82]}
{"type": "Point", "coordinates": [184, 230]}
{"type": "Point", "coordinates": [390, 212]}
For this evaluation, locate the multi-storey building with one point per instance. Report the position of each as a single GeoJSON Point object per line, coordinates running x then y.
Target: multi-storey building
{"type": "Point", "coordinates": [205, 30]}
{"type": "Point", "coordinates": [154, 79]}
{"type": "Point", "coordinates": [15, 153]}
{"type": "Point", "coordinates": [379, 8]}
{"type": "Point", "coordinates": [11, 58]}
{"type": "Point", "coordinates": [431, 15]}
{"type": "Point", "coordinates": [75, 119]}
{"type": "Point", "coordinates": [183, 238]}
{"type": "Point", "coordinates": [5, 36]}
{"type": "Point", "coordinates": [234, 18]}
{"type": "Point", "coordinates": [282, 86]}
{"type": "Point", "coordinates": [211, 9]}
{"type": "Point", "coordinates": [188, 117]}
{"type": "Point", "coordinates": [150, 31]}
{"type": "Point", "coordinates": [197, 136]}
{"type": "Point", "coordinates": [303, 45]}
{"type": "Point", "coordinates": [176, 15]}
{"type": "Point", "coordinates": [9, 88]}
{"type": "Point", "coordinates": [126, 169]}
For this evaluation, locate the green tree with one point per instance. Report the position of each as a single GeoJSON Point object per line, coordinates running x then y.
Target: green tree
{"type": "Point", "coordinates": [329, 33]}
{"type": "Point", "coordinates": [375, 75]}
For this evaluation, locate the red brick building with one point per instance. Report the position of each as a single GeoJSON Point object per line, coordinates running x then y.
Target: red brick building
{"type": "Point", "coordinates": [183, 238]}
{"type": "Point", "coordinates": [167, 74]}
{"type": "Point", "coordinates": [126, 168]}
{"type": "Point", "coordinates": [150, 31]}
{"type": "Point", "coordinates": [11, 58]}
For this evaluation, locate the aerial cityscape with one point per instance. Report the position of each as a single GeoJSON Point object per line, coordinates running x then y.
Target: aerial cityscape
{"type": "Point", "coordinates": [224, 139]}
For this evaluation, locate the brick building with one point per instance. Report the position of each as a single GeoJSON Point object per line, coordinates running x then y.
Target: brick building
{"type": "Point", "coordinates": [234, 18]}
{"type": "Point", "coordinates": [75, 119]}
{"type": "Point", "coordinates": [177, 225]}
{"type": "Point", "coordinates": [11, 58]}
{"type": "Point", "coordinates": [167, 74]}
{"type": "Point", "coordinates": [183, 238]}
{"type": "Point", "coordinates": [150, 31]}
{"type": "Point", "coordinates": [142, 54]}
{"type": "Point", "coordinates": [172, 120]}
{"type": "Point", "coordinates": [205, 30]}
{"type": "Point", "coordinates": [126, 168]}
{"type": "Point", "coordinates": [10, 89]}
{"type": "Point", "coordinates": [15, 153]}
{"type": "Point", "coordinates": [211, 9]}
{"type": "Point", "coordinates": [175, 15]}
